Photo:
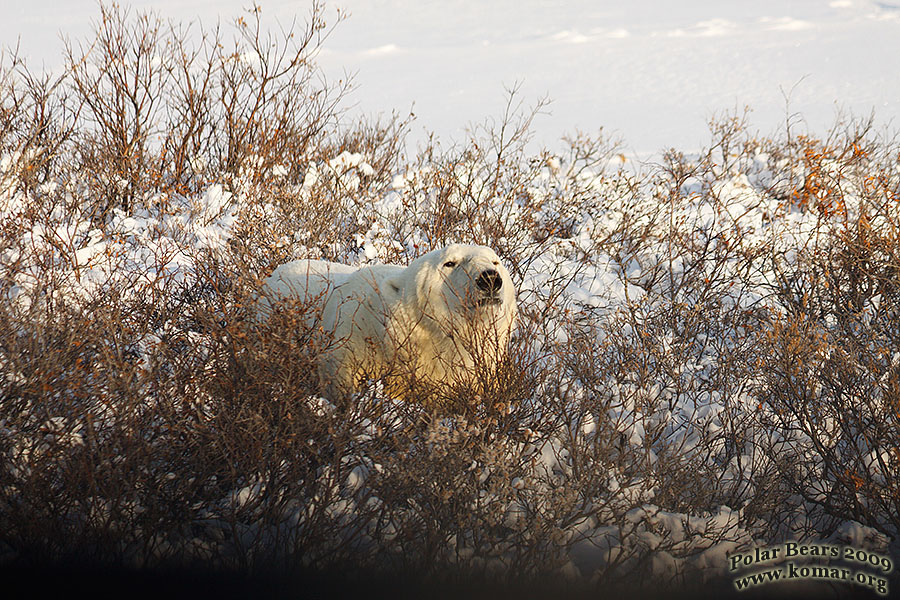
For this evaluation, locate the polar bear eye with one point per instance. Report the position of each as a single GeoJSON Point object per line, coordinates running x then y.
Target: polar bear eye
{"type": "Point", "coordinates": [496, 262]}
{"type": "Point", "coordinates": [450, 264]}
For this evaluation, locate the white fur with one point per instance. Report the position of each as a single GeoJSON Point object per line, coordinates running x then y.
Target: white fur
{"type": "Point", "coordinates": [429, 321]}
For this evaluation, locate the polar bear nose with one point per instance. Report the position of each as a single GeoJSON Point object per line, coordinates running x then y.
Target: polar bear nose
{"type": "Point", "coordinates": [489, 281]}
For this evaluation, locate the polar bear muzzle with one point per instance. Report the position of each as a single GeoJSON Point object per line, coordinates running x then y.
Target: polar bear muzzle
{"type": "Point", "coordinates": [489, 283]}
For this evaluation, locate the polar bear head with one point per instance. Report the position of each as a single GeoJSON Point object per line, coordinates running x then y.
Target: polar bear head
{"type": "Point", "coordinates": [459, 286]}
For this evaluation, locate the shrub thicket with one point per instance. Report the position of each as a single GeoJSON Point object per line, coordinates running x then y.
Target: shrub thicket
{"type": "Point", "coordinates": [707, 358]}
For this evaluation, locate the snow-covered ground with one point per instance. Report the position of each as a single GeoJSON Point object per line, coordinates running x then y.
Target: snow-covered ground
{"type": "Point", "coordinates": [650, 71]}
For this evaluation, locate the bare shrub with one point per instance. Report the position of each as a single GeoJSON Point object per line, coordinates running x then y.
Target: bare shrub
{"type": "Point", "coordinates": [167, 109]}
{"type": "Point", "coordinates": [832, 346]}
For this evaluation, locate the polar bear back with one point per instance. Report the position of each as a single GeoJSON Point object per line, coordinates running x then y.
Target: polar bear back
{"type": "Point", "coordinates": [307, 278]}
{"type": "Point", "coordinates": [350, 303]}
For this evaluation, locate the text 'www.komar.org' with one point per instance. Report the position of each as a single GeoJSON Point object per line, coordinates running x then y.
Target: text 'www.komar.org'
{"type": "Point", "coordinates": [811, 562]}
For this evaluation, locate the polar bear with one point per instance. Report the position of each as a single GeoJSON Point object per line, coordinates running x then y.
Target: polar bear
{"type": "Point", "coordinates": [445, 319]}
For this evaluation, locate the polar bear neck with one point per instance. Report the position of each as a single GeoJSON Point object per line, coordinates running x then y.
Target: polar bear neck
{"type": "Point", "coordinates": [429, 346]}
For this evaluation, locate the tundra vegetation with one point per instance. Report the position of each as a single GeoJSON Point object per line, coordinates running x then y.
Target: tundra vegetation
{"type": "Point", "coordinates": [707, 354]}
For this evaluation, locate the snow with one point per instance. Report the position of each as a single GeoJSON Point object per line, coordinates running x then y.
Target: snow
{"type": "Point", "coordinates": [651, 72]}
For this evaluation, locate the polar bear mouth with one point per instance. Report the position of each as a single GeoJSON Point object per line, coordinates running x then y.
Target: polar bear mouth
{"type": "Point", "coordinates": [488, 301]}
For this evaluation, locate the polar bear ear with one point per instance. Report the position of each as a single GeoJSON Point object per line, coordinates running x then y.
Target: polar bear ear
{"type": "Point", "coordinates": [425, 275]}
{"type": "Point", "coordinates": [394, 286]}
